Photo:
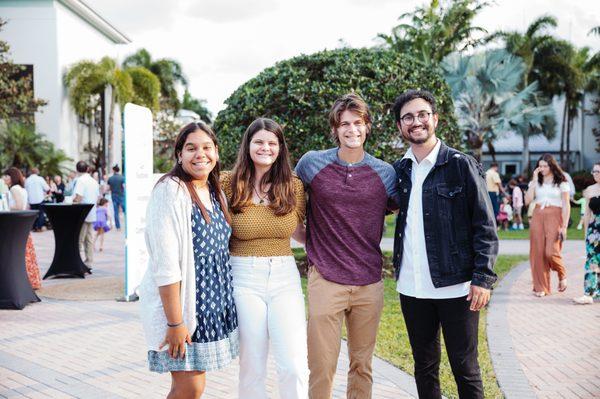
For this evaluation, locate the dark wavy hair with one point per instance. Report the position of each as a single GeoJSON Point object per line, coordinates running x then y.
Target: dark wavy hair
{"type": "Point", "coordinates": [558, 176]}
{"type": "Point", "coordinates": [16, 177]}
{"type": "Point", "coordinates": [281, 193]}
{"type": "Point", "coordinates": [178, 173]}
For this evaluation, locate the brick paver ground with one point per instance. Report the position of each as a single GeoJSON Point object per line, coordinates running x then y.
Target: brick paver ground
{"type": "Point", "coordinates": [95, 349]}
{"type": "Point", "coordinates": [545, 347]}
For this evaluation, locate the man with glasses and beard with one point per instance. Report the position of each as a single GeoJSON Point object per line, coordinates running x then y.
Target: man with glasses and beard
{"type": "Point", "coordinates": [445, 248]}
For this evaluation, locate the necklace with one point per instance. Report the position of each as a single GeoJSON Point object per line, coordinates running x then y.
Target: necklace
{"type": "Point", "coordinates": [261, 198]}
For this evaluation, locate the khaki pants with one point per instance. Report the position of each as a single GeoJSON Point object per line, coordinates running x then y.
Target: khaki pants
{"type": "Point", "coordinates": [86, 240]}
{"type": "Point", "coordinates": [328, 304]}
{"type": "Point", "coordinates": [545, 247]}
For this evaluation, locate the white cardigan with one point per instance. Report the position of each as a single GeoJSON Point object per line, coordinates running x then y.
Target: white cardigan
{"type": "Point", "coordinates": [171, 259]}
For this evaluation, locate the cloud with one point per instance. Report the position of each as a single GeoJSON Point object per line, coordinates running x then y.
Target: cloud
{"type": "Point", "coordinates": [224, 11]}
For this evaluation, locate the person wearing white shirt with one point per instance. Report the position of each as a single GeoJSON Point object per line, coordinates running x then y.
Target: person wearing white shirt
{"type": "Point", "coordinates": [549, 192]}
{"type": "Point", "coordinates": [86, 191]}
{"type": "Point", "coordinates": [36, 188]}
{"type": "Point", "coordinates": [444, 251]}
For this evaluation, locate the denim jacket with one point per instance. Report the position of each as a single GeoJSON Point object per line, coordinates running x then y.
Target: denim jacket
{"type": "Point", "coordinates": [458, 219]}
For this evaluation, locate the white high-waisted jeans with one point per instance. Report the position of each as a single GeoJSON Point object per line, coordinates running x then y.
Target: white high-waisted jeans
{"type": "Point", "coordinates": [270, 306]}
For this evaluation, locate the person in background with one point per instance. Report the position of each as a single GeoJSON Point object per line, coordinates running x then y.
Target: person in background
{"type": "Point", "coordinates": [116, 184]}
{"type": "Point", "coordinates": [101, 224]}
{"type": "Point", "coordinates": [53, 189]}
{"type": "Point", "coordinates": [86, 191]}
{"type": "Point", "coordinates": [37, 188]}
{"type": "Point", "coordinates": [59, 193]}
{"type": "Point", "coordinates": [549, 193]}
{"type": "Point", "coordinates": [494, 186]}
{"type": "Point", "coordinates": [18, 202]}
{"type": "Point", "coordinates": [505, 215]}
{"type": "Point", "coordinates": [70, 183]}
{"type": "Point", "coordinates": [591, 220]}
{"type": "Point", "coordinates": [267, 207]}
{"type": "Point", "coordinates": [517, 205]}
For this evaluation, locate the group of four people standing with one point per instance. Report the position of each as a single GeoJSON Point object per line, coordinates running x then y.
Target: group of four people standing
{"type": "Point", "coordinates": [222, 280]}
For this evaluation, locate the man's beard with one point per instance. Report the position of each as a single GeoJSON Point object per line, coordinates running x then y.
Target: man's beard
{"type": "Point", "coordinates": [413, 140]}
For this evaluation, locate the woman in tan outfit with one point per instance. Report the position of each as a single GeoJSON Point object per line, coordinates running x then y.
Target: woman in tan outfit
{"type": "Point", "coordinates": [549, 192]}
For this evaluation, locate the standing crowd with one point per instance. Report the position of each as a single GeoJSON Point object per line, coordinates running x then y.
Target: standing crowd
{"type": "Point", "coordinates": [18, 193]}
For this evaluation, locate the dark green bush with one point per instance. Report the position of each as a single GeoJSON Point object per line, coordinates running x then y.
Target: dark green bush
{"type": "Point", "coordinates": [299, 92]}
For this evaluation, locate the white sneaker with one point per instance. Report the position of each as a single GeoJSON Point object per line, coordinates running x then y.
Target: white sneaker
{"type": "Point", "coordinates": [584, 300]}
{"type": "Point", "coordinates": [521, 227]}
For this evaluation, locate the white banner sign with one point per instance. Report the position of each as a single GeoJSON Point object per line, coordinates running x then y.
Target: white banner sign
{"type": "Point", "coordinates": [138, 186]}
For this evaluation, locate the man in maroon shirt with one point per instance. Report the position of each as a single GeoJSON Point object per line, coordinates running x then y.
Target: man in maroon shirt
{"type": "Point", "coordinates": [349, 193]}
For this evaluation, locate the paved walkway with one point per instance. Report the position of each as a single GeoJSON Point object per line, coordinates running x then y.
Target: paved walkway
{"type": "Point", "coordinates": [95, 349]}
{"type": "Point", "coordinates": [545, 347]}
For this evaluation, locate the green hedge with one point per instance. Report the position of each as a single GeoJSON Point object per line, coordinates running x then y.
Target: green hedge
{"type": "Point", "coordinates": [299, 92]}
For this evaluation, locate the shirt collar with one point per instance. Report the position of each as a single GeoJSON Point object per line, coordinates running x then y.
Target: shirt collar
{"type": "Point", "coordinates": [431, 157]}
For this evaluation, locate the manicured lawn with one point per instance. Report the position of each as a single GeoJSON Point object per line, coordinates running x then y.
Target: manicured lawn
{"type": "Point", "coordinates": [572, 232]}
{"type": "Point", "coordinates": [392, 339]}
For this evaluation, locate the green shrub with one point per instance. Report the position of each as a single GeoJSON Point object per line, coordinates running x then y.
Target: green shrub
{"type": "Point", "coordinates": [299, 92]}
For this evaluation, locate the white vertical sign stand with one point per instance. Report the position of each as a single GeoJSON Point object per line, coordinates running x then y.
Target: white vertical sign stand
{"type": "Point", "coordinates": [138, 187]}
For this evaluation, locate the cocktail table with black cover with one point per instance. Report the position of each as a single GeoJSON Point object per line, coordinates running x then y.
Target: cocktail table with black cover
{"type": "Point", "coordinates": [66, 222]}
{"type": "Point", "coordinates": [15, 289]}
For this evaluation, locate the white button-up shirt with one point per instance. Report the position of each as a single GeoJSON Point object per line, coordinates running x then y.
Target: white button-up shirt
{"type": "Point", "coordinates": [415, 277]}
{"type": "Point", "coordinates": [36, 189]}
{"type": "Point", "coordinates": [89, 190]}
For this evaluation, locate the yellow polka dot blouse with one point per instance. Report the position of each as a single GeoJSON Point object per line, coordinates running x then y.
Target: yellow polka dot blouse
{"type": "Point", "coordinates": [257, 231]}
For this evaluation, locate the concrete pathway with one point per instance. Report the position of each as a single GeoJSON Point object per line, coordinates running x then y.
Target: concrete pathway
{"type": "Point", "coordinates": [545, 347]}
{"type": "Point", "coordinates": [95, 349]}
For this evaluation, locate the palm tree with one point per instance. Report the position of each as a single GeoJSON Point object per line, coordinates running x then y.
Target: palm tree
{"type": "Point", "coordinates": [23, 148]}
{"type": "Point", "coordinates": [169, 73]}
{"type": "Point", "coordinates": [526, 46]}
{"type": "Point", "coordinates": [87, 82]}
{"type": "Point", "coordinates": [434, 31]}
{"type": "Point", "coordinates": [487, 99]}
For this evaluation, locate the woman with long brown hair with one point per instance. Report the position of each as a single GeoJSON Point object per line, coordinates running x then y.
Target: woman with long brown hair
{"type": "Point", "coordinates": [186, 294]}
{"type": "Point", "coordinates": [267, 206]}
{"type": "Point", "coordinates": [15, 180]}
{"type": "Point", "coordinates": [549, 193]}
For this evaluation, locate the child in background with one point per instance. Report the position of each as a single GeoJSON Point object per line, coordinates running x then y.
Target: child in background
{"type": "Point", "coordinates": [101, 224]}
{"type": "Point", "coordinates": [517, 205]}
{"type": "Point", "coordinates": [506, 213]}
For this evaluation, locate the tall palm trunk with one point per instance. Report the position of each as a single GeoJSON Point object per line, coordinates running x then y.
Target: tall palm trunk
{"type": "Point", "coordinates": [111, 125]}
{"type": "Point", "coordinates": [567, 163]}
{"type": "Point", "coordinates": [526, 154]}
{"type": "Point", "coordinates": [562, 131]}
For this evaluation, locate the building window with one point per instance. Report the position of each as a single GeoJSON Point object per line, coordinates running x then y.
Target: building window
{"type": "Point", "coordinates": [511, 168]}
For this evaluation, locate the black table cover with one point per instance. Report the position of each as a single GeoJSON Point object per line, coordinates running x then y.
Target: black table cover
{"type": "Point", "coordinates": [66, 222]}
{"type": "Point", "coordinates": [15, 289]}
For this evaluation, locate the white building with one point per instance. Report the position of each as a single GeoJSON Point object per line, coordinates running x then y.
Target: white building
{"type": "Point", "coordinates": [48, 36]}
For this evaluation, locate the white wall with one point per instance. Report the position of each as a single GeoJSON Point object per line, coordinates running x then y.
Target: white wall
{"type": "Point", "coordinates": [31, 33]}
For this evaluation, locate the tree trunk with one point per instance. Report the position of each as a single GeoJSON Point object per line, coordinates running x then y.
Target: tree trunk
{"type": "Point", "coordinates": [567, 164]}
{"type": "Point", "coordinates": [111, 126]}
{"type": "Point", "coordinates": [526, 155]}
{"type": "Point", "coordinates": [492, 150]}
{"type": "Point", "coordinates": [562, 131]}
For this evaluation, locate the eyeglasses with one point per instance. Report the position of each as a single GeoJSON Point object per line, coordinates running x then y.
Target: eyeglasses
{"type": "Point", "coordinates": [595, 171]}
{"type": "Point", "coordinates": [409, 119]}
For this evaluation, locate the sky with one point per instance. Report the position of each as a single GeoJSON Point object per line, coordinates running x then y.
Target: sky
{"type": "Point", "coordinates": [221, 44]}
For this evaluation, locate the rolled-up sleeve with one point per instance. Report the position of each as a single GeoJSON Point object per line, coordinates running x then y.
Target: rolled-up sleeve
{"type": "Point", "coordinates": [164, 234]}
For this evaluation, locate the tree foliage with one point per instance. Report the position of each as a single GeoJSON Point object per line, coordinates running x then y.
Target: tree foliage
{"type": "Point", "coordinates": [485, 88]}
{"type": "Point", "coordinates": [299, 92]}
{"type": "Point", "coordinates": [196, 105]}
{"type": "Point", "coordinates": [432, 32]}
{"type": "Point", "coordinates": [23, 148]}
{"type": "Point", "coordinates": [17, 100]}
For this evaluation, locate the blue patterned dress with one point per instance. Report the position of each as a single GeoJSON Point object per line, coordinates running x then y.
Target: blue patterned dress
{"type": "Point", "coordinates": [215, 341]}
